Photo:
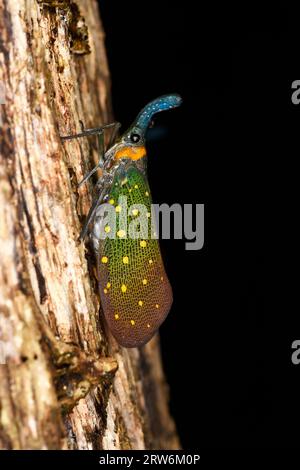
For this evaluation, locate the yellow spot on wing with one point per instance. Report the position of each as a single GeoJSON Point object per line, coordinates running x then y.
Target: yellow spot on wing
{"type": "Point", "coordinates": [125, 259]}
{"type": "Point", "coordinates": [111, 201]}
{"type": "Point", "coordinates": [118, 208]}
{"type": "Point", "coordinates": [136, 186]}
{"type": "Point", "coordinates": [121, 233]}
{"type": "Point", "coordinates": [108, 285]}
{"type": "Point", "coordinates": [150, 261]}
{"type": "Point", "coordinates": [132, 322]}
{"type": "Point", "coordinates": [140, 302]}
{"type": "Point", "coordinates": [117, 316]}
{"type": "Point", "coordinates": [104, 259]}
{"type": "Point", "coordinates": [146, 193]}
{"type": "Point", "coordinates": [123, 288]}
{"type": "Point", "coordinates": [107, 228]}
{"type": "Point", "coordinates": [105, 291]}
{"type": "Point", "coordinates": [143, 243]}
{"type": "Point", "coordinates": [135, 211]}
{"type": "Point", "coordinates": [144, 281]}
{"type": "Point", "coordinates": [156, 306]}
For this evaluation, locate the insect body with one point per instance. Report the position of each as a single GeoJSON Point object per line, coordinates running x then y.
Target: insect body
{"type": "Point", "coordinates": [135, 292]}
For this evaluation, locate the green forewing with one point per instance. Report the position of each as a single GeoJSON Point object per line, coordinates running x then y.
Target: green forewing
{"type": "Point", "coordinates": [135, 291]}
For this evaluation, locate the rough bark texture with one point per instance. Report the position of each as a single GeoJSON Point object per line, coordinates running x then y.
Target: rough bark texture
{"type": "Point", "coordinates": [53, 73]}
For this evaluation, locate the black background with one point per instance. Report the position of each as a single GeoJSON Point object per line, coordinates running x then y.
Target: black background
{"type": "Point", "coordinates": [227, 342]}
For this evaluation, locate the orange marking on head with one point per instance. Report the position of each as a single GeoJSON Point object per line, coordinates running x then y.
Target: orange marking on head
{"type": "Point", "coordinates": [133, 153]}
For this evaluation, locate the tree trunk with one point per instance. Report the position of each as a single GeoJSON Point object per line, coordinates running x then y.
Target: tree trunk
{"type": "Point", "coordinates": [59, 388]}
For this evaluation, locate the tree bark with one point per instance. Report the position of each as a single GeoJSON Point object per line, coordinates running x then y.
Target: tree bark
{"type": "Point", "coordinates": [59, 388]}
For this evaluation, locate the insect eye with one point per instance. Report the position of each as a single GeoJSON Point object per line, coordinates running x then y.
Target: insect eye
{"type": "Point", "coordinates": [135, 138]}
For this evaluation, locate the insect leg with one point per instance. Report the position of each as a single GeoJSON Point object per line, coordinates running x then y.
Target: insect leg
{"type": "Point", "coordinates": [91, 131]}
{"type": "Point", "coordinates": [99, 131]}
{"type": "Point", "coordinates": [114, 134]}
{"type": "Point", "coordinates": [100, 140]}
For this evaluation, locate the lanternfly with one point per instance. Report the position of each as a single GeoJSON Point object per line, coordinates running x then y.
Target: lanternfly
{"type": "Point", "coordinates": [136, 295]}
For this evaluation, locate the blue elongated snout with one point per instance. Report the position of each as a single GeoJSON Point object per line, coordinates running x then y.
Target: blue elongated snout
{"type": "Point", "coordinates": [163, 103]}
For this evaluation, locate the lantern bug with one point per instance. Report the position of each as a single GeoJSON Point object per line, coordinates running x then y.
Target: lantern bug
{"type": "Point", "coordinates": [135, 292]}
